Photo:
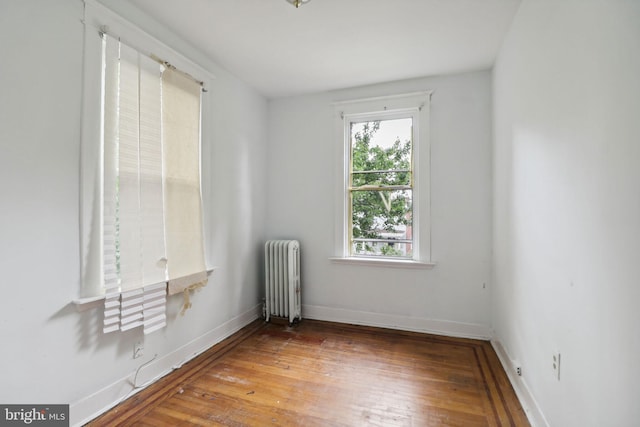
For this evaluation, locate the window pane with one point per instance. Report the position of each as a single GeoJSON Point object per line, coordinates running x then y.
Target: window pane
{"type": "Point", "coordinates": [380, 221]}
{"type": "Point", "coordinates": [382, 145]}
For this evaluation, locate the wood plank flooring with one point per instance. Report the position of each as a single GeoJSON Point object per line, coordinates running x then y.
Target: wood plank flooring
{"type": "Point", "coordinates": [328, 374]}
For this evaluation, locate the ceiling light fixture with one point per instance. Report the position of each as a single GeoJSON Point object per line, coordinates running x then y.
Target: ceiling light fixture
{"type": "Point", "coordinates": [297, 3]}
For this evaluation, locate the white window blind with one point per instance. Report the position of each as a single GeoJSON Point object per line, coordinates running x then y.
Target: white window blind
{"type": "Point", "coordinates": [151, 187]}
{"type": "Point", "coordinates": [111, 92]}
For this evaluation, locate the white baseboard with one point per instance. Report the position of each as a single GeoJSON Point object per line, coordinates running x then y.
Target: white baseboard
{"type": "Point", "coordinates": [393, 321]}
{"type": "Point", "coordinates": [90, 407]}
{"type": "Point", "coordinates": [528, 402]}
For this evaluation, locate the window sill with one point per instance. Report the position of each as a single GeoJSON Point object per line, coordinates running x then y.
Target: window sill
{"type": "Point", "coordinates": [83, 304]}
{"type": "Point", "coordinates": [373, 262]}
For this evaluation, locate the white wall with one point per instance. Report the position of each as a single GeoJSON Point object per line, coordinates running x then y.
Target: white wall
{"type": "Point", "coordinates": [448, 298]}
{"type": "Point", "coordinates": [50, 352]}
{"type": "Point", "coordinates": [567, 207]}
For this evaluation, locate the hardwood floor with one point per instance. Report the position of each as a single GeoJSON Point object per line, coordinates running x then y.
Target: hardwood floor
{"type": "Point", "coordinates": [327, 374]}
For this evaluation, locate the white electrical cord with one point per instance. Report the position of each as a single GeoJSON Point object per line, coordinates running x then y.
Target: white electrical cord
{"type": "Point", "coordinates": [135, 378]}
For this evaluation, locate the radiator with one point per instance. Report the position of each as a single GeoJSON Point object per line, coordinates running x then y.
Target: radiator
{"type": "Point", "coordinates": [282, 279]}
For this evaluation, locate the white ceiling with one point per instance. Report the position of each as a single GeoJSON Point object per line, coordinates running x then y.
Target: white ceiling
{"type": "Point", "coordinates": [333, 44]}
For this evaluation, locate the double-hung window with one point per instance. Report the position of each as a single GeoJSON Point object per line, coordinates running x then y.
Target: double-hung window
{"type": "Point", "coordinates": [380, 191]}
{"type": "Point", "coordinates": [142, 228]}
{"type": "Point", "coordinates": [384, 187]}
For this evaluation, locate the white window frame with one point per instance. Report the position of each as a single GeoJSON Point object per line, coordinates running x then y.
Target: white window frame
{"type": "Point", "coordinates": [98, 18]}
{"type": "Point", "coordinates": [416, 106]}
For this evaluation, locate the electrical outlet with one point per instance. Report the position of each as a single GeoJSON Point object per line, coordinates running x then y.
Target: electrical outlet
{"type": "Point", "coordinates": [519, 371]}
{"type": "Point", "coordinates": [556, 365]}
{"type": "Point", "coordinates": [138, 349]}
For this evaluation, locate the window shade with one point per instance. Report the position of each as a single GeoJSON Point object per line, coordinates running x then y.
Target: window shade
{"type": "Point", "coordinates": [183, 206]}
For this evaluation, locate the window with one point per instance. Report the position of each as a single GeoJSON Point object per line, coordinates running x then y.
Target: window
{"type": "Point", "coordinates": [142, 230]}
{"type": "Point", "coordinates": [380, 190]}
{"type": "Point", "coordinates": [384, 214]}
